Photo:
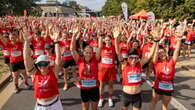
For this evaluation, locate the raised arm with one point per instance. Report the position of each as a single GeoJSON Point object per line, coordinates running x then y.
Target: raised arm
{"type": "Point", "coordinates": [179, 33]}
{"type": "Point", "coordinates": [116, 35]}
{"type": "Point", "coordinates": [28, 61]}
{"type": "Point", "coordinates": [156, 36]}
{"type": "Point", "coordinates": [56, 38]}
{"type": "Point", "coordinates": [74, 53]}
{"type": "Point", "coordinates": [100, 44]}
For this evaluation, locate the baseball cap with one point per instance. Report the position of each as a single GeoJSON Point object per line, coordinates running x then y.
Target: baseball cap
{"type": "Point", "coordinates": [42, 58]}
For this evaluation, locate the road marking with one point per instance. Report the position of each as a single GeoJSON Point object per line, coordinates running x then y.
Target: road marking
{"type": "Point", "coordinates": [173, 102]}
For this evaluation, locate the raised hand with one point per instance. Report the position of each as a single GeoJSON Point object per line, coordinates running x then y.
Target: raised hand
{"type": "Point", "coordinates": [56, 33]}
{"type": "Point", "coordinates": [116, 32]}
{"type": "Point", "coordinates": [75, 30]}
{"type": "Point", "coordinates": [26, 34]}
{"type": "Point", "coordinates": [156, 33]}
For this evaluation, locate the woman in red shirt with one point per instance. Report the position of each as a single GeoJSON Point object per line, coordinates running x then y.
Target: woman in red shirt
{"type": "Point", "coordinates": [131, 74]}
{"type": "Point", "coordinates": [15, 47]}
{"type": "Point", "coordinates": [45, 80]}
{"type": "Point", "coordinates": [164, 68]}
{"type": "Point", "coordinates": [88, 74]}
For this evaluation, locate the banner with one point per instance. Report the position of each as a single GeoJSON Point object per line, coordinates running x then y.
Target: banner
{"type": "Point", "coordinates": [151, 17]}
{"type": "Point", "coordinates": [124, 7]}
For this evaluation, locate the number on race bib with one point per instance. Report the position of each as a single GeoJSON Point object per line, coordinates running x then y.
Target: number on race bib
{"type": "Point", "coordinates": [39, 52]}
{"type": "Point", "coordinates": [67, 53]}
{"type": "Point", "coordinates": [165, 86]}
{"type": "Point", "coordinates": [135, 78]}
{"type": "Point", "coordinates": [16, 53]}
{"type": "Point", "coordinates": [107, 61]}
{"type": "Point", "coordinates": [88, 83]}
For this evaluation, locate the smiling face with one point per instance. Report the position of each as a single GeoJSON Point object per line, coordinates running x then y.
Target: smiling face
{"type": "Point", "coordinates": [88, 53]}
{"type": "Point", "coordinates": [43, 67]}
{"type": "Point", "coordinates": [162, 54]}
{"type": "Point", "coordinates": [13, 36]}
{"type": "Point", "coordinates": [133, 59]}
{"type": "Point", "coordinates": [107, 40]}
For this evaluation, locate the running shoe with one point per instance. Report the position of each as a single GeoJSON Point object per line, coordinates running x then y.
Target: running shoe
{"type": "Point", "coordinates": [17, 90]}
{"type": "Point", "coordinates": [65, 87]}
{"type": "Point", "coordinates": [110, 102]}
{"type": "Point", "coordinates": [100, 103]}
{"type": "Point", "coordinates": [77, 84]}
{"type": "Point", "coordinates": [27, 86]}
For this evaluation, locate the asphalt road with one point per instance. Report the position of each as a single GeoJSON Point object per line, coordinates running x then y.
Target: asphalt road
{"type": "Point", "coordinates": [71, 99]}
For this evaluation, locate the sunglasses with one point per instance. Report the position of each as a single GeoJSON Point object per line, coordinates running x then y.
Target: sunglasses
{"type": "Point", "coordinates": [42, 64]}
{"type": "Point", "coordinates": [133, 57]}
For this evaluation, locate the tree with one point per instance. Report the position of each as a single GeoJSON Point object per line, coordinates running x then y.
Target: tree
{"type": "Point", "coordinates": [16, 7]}
{"type": "Point", "coordinates": [166, 9]}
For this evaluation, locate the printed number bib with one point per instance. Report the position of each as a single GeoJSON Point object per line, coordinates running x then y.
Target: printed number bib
{"type": "Point", "coordinates": [5, 52]}
{"type": "Point", "coordinates": [124, 55]}
{"type": "Point", "coordinates": [106, 60]}
{"type": "Point", "coordinates": [39, 52]}
{"type": "Point", "coordinates": [94, 49]}
{"type": "Point", "coordinates": [165, 86]}
{"type": "Point", "coordinates": [88, 83]}
{"type": "Point", "coordinates": [67, 53]}
{"type": "Point", "coordinates": [134, 78]}
{"type": "Point", "coordinates": [174, 46]}
{"type": "Point", "coordinates": [16, 53]}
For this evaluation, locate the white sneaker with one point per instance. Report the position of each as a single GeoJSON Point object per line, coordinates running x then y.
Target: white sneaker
{"type": "Point", "coordinates": [110, 102]}
{"type": "Point", "coordinates": [100, 103]}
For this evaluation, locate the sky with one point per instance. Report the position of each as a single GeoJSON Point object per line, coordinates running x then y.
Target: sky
{"type": "Point", "coordinates": [95, 5]}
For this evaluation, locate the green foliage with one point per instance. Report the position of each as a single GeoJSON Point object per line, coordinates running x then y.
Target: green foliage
{"type": "Point", "coordinates": [166, 9]}
{"type": "Point", "coordinates": [16, 7]}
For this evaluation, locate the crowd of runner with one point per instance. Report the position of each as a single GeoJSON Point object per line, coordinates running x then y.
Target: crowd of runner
{"type": "Point", "coordinates": [96, 51]}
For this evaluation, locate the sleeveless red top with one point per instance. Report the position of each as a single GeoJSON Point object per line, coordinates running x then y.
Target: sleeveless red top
{"type": "Point", "coordinates": [67, 53]}
{"type": "Point", "coordinates": [16, 52]}
{"type": "Point", "coordinates": [131, 75]}
{"type": "Point", "coordinates": [108, 56]}
{"type": "Point", "coordinates": [45, 86]}
{"type": "Point", "coordinates": [164, 73]}
{"type": "Point", "coordinates": [88, 73]}
{"type": "Point", "coordinates": [38, 47]}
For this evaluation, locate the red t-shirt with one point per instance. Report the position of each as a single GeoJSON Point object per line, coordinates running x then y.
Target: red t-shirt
{"type": "Point", "coordinates": [108, 56]}
{"type": "Point", "coordinates": [173, 42]}
{"type": "Point", "coordinates": [67, 53]}
{"type": "Point", "coordinates": [164, 73]}
{"type": "Point", "coordinates": [5, 50]}
{"type": "Point", "coordinates": [94, 45]}
{"type": "Point", "coordinates": [189, 36]}
{"type": "Point", "coordinates": [45, 86]}
{"type": "Point", "coordinates": [88, 73]}
{"type": "Point", "coordinates": [146, 49]}
{"type": "Point", "coordinates": [131, 75]}
{"type": "Point", "coordinates": [16, 52]}
{"type": "Point", "coordinates": [38, 47]}
{"type": "Point", "coordinates": [124, 49]}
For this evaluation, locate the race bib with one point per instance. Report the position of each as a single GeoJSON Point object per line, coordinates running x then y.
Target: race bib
{"type": "Point", "coordinates": [107, 61]}
{"type": "Point", "coordinates": [6, 52]}
{"type": "Point", "coordinates": [134, 78]}
{"type": "Point", "coordinates": [88, 83]}
{"type": "Point", "coordinates": [39, 52]}
{"type": "Point", "coordinates": [95, 50]}
{"type": "Point", "coordinates": [16, 53]}
{"type": "Point", "coordinates": [67, 53]}
{"type": "Point", "coordinates": [165, 86]}
{"type": "Point", "coordinates": [124, 55]}
{"type": "Point", "coordinates": [174, 46]}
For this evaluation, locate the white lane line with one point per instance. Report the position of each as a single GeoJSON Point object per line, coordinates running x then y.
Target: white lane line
{"type": "Point", "coordinates": [173, 102]}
